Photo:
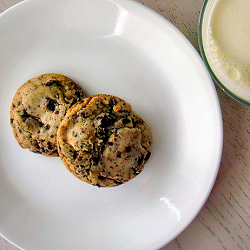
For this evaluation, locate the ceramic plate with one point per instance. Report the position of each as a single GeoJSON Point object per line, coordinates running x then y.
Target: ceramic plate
{"type": "Point", "coordinates": [122, 48]}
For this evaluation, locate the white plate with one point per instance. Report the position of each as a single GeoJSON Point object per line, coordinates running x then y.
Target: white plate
{"type": "Point", "coordinates": [116, 47]}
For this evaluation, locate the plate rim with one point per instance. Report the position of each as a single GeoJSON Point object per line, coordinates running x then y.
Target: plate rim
{"type": "Point", "coordinates": [155, 15]}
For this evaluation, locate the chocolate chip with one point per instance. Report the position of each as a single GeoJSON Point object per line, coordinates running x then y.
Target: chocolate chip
{"type": "Point", "coordinates": [118, 182]}
{"type": "Point", "coordinates": [128, 149]}
{"type": "Point", "coordinates": [136, 171]}
{"type": "Point", "coordinates": [101, 133]}
{"type": "Point", "coordinates": [47, 127]}
{"type": "Point", "coordinates": [101, 177]}
{"type": "Point", "coordinates": [147, 156]}
{"type": "Point", "coordinates": [50, 147]}
{"type": "Point", "coordinates": [75, 154]}
{"type": "Point", "coordinates": [125, 121]}
{"type": "Point", "coordinates": [53, 82]}
{"type": "Point", "coordinates": [119, 154]}
{"type": "Point", "coordinates": [95, 160]}
{"type": "Point", "coordinates": [25, 115]}
{"type": "Point", "coordinates": [51, 105]}
{"type": "Point", "coordinates": [78, 94]}
{"type": "Point", "coordinates": [140, 159]}
{"type": "Point", "coordinates": [105, 122]}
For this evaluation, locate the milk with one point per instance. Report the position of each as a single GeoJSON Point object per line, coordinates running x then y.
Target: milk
{"type": "Point", "coordinates": [228, 44]}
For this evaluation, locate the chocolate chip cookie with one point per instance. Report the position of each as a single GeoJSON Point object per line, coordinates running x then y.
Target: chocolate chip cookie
{"type": "Point", "coordinates": [103, 142]}
{"type": "Point", "coordinates": [37, 109]}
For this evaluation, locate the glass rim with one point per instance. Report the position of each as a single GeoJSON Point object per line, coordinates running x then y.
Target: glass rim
{"type": "Point", "coordinates": [204, 57]}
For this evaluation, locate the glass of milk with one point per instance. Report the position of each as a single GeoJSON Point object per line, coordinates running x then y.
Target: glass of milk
{"type": "Point", "coordinates": [224, 40]}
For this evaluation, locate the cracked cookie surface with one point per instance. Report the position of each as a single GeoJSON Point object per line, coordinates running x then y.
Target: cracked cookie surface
{"type": "Point", "coordinates": [37, 109]}
{"type": "Point", "coordinates": [103, 142]}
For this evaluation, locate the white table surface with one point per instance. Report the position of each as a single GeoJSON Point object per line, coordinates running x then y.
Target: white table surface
{"type": "Point", "coordinates": [224, 221]}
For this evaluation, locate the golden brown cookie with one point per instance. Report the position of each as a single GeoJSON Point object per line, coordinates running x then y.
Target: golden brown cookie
{"type": "Point", "coordinates": [103, 142]}
{"type": "Point", "coordinates": [37, 109]}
